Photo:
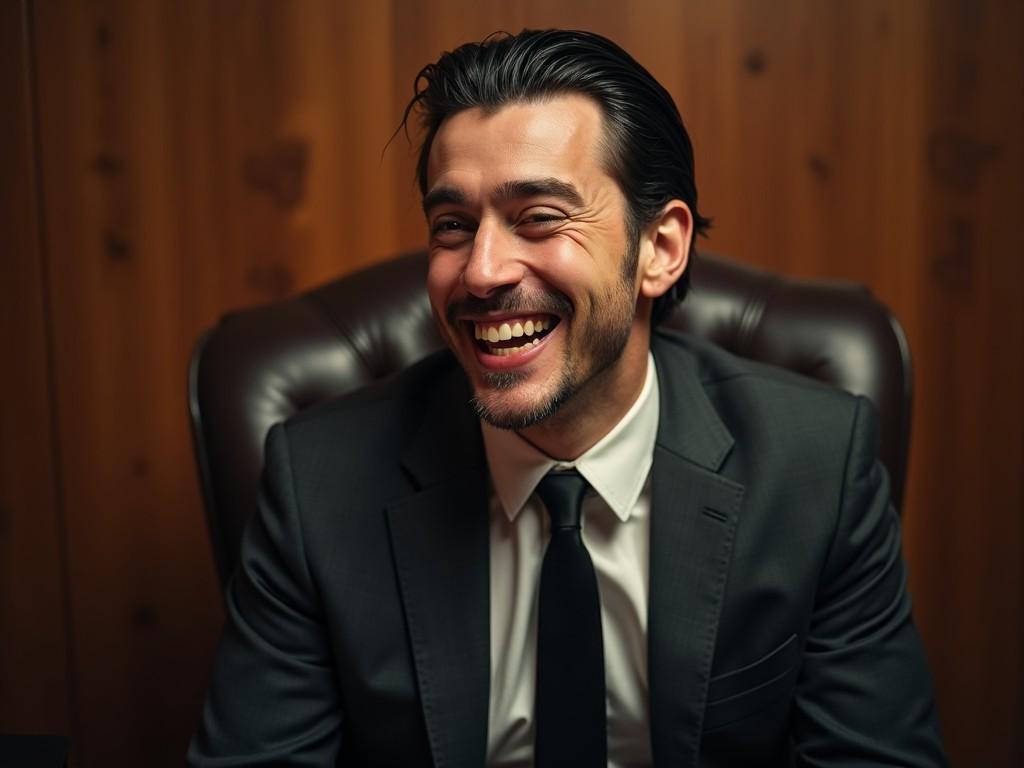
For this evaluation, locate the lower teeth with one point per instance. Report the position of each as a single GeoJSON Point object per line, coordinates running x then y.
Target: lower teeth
{"type": "Point", "coordinates": [506, 351]}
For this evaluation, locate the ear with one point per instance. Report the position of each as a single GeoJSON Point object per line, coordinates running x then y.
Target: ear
{"type": "Point", "coordinates": [668, 239]}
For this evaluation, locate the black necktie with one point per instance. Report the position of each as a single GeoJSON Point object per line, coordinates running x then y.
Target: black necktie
{"type": "Point", "coordinates": [570, 704]}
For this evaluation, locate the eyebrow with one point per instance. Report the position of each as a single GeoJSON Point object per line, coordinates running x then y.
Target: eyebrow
{"type": "Point", "coordinates": [549, 187]}
{"type": "Point", "coordinates": [509, 190]}
{"type": "Point", "coordinates": [442, 196]}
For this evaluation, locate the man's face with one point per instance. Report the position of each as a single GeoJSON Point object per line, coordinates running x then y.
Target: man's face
{"type": "Point", "coordinates": [529, 278]}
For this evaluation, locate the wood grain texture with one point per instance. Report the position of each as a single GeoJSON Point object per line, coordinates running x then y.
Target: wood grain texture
{"type": "Point", "coordinates": [200, 156]}
{"type": "Point", "coordinates": [124, 301]}
{"type": "Point", "coordinates": [967, 478]}
{"type": "Point", "coordinates": [35, 672]}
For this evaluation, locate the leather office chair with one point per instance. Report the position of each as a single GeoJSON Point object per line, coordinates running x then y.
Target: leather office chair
{"type": "Point", "coordinates": [261, 365]}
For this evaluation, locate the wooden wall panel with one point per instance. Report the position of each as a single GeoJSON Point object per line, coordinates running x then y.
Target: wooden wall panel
{"type": "Point", "coordinates": [35, 671]}
{"type": "Point", "coordinates": [201, 156]}
{"type": "Point", "coordinates": [144, 614]}
{"type": "Point", "coordinates": [968, 470]}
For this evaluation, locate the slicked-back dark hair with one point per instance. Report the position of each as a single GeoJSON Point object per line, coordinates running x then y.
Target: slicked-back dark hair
{"type": "Point", "coordinates": [648, 151]}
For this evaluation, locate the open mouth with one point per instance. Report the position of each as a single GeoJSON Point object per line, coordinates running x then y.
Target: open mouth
{"type": "Point", "coordinates": [512, 335]}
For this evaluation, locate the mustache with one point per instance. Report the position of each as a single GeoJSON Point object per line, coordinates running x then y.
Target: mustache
{"type": "Point", "coordinates": [511, 300]}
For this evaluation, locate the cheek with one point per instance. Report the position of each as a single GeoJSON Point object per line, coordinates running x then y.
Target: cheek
{"type": "Point", "coordinates": [562, 265]}
{"type": "Point", "coordinates": [443, 279]}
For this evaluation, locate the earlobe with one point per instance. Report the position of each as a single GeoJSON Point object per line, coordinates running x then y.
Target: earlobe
{"type": "Point", "coordinates": [669, 237]}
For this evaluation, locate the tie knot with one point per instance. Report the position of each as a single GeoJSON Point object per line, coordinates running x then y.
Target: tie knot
{"type": "Point", "coordinates": [562, 494]}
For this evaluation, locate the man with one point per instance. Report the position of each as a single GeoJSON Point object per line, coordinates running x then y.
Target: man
{"type": "Point", "coordinates": [403, 597]}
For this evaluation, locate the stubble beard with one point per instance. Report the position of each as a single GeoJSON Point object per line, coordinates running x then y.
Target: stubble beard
{"type": "Point", "coordinates": [516, 420]}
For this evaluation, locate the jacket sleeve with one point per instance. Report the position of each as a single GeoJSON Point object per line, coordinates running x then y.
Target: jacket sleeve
{"type": "Point", "coordinates": [864, 696]}
{"type": "Point", "coordinates": [273, 698]}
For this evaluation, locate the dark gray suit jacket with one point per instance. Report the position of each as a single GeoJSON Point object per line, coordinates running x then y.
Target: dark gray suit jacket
{"type": "Point", "coordinates": [779, 622]}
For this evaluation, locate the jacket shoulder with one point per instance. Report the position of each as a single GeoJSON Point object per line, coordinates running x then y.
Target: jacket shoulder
{"type": "Point", "coordinates": [715, 366]}
{"type": "Point", "coordinates": [723, 374]}
{"type": "Point", "coordinates": [769, 411]}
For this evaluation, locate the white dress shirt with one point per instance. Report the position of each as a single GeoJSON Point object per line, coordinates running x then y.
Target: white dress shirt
{"type": "Point", "coordinates": [616, 530]}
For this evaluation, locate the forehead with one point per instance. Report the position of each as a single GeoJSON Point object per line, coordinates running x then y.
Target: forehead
{"type": "Point", "coordinates": [557, 137]}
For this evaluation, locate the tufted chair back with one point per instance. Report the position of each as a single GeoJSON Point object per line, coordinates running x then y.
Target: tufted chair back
{"type": "Point", "coordinates": [259, 366]}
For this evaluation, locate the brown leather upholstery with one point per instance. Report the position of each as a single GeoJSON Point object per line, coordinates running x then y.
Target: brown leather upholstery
{"type": "Point", "coordinates": [261, 365]}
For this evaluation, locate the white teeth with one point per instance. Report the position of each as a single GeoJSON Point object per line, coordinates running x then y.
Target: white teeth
{"type": "Point", "coordinates": [515, 330]}
{"type": "Point", "coordinates": [506, 351]}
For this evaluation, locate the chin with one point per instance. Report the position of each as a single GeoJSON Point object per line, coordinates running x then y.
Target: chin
{"type": "Point", "coordinates": [506, 405]}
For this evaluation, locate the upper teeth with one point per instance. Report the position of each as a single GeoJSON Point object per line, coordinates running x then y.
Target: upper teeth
{"type": "Point", "coordinates": [494, 332]}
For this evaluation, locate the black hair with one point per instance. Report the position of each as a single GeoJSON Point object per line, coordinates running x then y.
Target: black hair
{"type": "Point", "coordinates": [649, 153]}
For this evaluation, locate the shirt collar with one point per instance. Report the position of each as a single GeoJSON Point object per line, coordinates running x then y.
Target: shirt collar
{"type": "Point", "coordinates": [616, 466]}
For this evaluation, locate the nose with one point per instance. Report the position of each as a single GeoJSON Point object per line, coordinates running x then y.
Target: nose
{"type": "Point", "coordinates": [494, 261]}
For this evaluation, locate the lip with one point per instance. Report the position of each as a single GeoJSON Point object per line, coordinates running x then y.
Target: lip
{"type": "Point", "coordinates": [507, 362]}
{"type": "Point", "coordinates": [498, 317]}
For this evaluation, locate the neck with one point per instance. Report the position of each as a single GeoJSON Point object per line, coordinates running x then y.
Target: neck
{"type": "Point", "coordinates": [594, 410]}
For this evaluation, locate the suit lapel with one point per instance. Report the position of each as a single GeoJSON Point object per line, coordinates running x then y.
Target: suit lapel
{"type": "Point", "coordinates": [694, 515]}
{"type": "Point", "coordinates": [439, 536]}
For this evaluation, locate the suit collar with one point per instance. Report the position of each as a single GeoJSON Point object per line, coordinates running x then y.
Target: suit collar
{"type": "Point", "coordinates": [447, 444]}
{"type": "Point", "coordinates": [694, 518]}
{"type": "Point", "coordinates": [439, 537]}
{"type": "Point", "coordinates": [690, 427]}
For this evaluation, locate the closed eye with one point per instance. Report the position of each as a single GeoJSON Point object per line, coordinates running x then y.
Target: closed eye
{"type": "Point", "coordinates": [539, 223]}
{"type": "Point", "coordinates": [450, 231]}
